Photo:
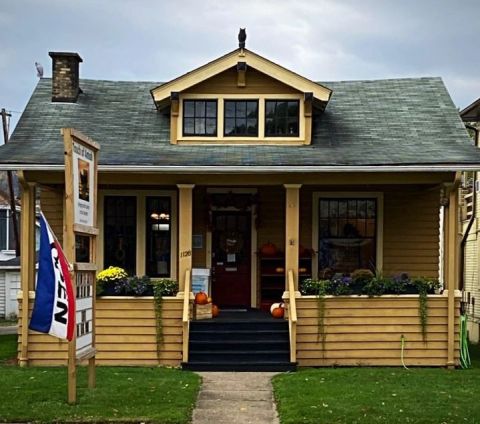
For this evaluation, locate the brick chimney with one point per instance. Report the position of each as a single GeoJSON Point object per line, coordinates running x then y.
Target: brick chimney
{"type": "Point", "coordinates": [65, 76]}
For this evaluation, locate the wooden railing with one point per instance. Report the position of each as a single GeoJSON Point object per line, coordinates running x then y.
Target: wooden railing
{"type": "Point", "coordinates": [186, 314]}
{"type": "Point", "coordinates": [292, 316]}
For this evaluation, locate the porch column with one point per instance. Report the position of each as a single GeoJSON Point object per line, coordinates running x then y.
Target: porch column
{"type": "Point", "coordinates": [185, 228]}
{"type": "Point", "coordinates": [27, 260]}
{"type": "Point", "coordinates": [292, 229]}
{"type": "Point", "coordinates": [452, 251]}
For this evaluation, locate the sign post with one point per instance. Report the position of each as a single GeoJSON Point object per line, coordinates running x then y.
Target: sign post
{"type": "Point", "coordinates": [81, 180]}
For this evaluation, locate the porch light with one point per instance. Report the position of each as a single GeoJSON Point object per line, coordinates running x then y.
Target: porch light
{"type": "Point", "coordinates": [160, 224]}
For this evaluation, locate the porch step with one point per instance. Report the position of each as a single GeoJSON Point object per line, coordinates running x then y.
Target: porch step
{"type": "Point", "coordinates": [239, 345]}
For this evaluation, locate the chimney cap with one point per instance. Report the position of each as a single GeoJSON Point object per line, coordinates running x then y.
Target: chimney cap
{"type": "Point", "coordinates": [65, 54]}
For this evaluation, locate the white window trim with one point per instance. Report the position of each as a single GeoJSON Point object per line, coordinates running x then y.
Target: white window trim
{"type": "Point", "coordinates": [141, 196]}
{"type": "Point", "coordinates": [342, 195]}
{"type": "Point", "coordinates": [220, 138]}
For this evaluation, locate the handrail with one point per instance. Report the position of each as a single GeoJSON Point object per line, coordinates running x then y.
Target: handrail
{"type": "Point", "coordinates": [292, 316]}
{"type": "Point", "coordinates": [186, 314]}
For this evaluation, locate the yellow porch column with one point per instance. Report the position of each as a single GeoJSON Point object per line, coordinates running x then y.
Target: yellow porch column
{"type": "Point", "coordinates": [292, 229]}
{"type": "Point", "coordinates": [185, 228]}
{"type": "Point", "coordinates": [452, 255]}
{"type": "Point", "coordinates": [27, 260]}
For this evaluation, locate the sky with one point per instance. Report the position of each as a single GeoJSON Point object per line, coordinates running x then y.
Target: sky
{"type": "Point", "coordinates": [324, 40]}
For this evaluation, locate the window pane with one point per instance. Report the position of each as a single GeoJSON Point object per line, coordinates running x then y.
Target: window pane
{"type": "Point", "coordinates": [188, 108]}
{"type": "Point", "coordinates": [252, 126]}
{"type": "Point", "coordinates": [241, 109]}
{"type": "Point", "coordinates": [229, 109]}
{"type": "Point", "coordinates": [292, 127]}
{"type": "Point", "coordinates": [120, 232]}
{"type": "Point", "coordinates": [293, 109]}
{"type": "Point", "coordinates": [241, 126]}
{"type": "Point", "coordinates": [270, 126]}
{"type": "Point", "coordinates": [158, 236]}
{"type": "Point", "coordinates": [285, 115]}
{"type": "Point", "coordinates": [252, 109]}
{"type": "Point", "coordinates": [199, 109]}
{"type": "Point", "coordinates": [3, 229]}
{"type": "Point", "coordinates": [199, 126]}
{"type": "Point", "coordinates": [211, 109]}
{"type": "Point", "coordinates": [282, 109]}
{"type": "Point", "coordinates": [211, 126]}
{"type": "Point", "coordinates": [229, 126]}
{"type": "Point", "coordinates": [189, 126]}
{"type": "Point", "coordinates": [270, 109]}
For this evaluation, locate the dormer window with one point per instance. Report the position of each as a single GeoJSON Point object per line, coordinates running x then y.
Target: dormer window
{"type": "Point", "coordinates": [200, 118]}
{"type": "Point", "coordinates": [241, 118]}
{"type": "Point", "coordinates": [282, 118]}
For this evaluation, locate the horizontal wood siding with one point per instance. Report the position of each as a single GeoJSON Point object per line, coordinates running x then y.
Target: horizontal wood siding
{"type": "Point", "coordinates": [367, 331]}
{"type": "Point", "coordinates": [126, 335]}
{"type": "Point", "coordinates": [51, 203]}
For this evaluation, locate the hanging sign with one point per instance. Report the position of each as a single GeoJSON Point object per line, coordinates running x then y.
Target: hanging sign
{"type": "Point", "coordinates": [83, 183]}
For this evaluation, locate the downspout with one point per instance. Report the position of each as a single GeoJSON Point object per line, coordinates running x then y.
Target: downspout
{"type": "Point", "coordinates": [469, 225]}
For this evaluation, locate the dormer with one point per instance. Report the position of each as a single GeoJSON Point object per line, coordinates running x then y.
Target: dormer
{"type": "Point", "coordinates": [241, 98]}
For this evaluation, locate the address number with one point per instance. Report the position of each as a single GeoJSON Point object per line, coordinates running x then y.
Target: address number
{"type": "Point", "coordinates": [185, 253]}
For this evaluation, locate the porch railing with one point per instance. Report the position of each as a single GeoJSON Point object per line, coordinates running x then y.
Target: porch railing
{"type": "Point", "coordinates": [186, 314]}
{"type": "Point", "coordinates": [292, 316]}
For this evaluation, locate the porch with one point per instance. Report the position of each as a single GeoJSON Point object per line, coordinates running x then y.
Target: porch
{"type": "Point", "coordinates": [223, 227]}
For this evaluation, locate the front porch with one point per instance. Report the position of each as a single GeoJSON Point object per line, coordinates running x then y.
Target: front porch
{"type": "Point", "coordinates": [224, 227]}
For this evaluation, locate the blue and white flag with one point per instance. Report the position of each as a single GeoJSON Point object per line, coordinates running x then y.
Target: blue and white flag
{"type": "Point", "coordinates": [54, 308]}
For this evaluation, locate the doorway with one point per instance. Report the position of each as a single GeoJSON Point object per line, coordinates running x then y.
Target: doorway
{"type": "Point", "coordinates": [231, 258]}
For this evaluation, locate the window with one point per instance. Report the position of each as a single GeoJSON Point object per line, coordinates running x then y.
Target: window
{"type": "Point", "coordinates": [199, 117]}
{"type": "Point", "coordinates": [347, 234]}
{"type": "Point", "coordinates": [282, 118]}
{"type": "Point", "coordinates": [241, 118]}
{"type": "Point", "coordinates": [120, 232]}
{"type": "Point", "coordinates": [158, 236]}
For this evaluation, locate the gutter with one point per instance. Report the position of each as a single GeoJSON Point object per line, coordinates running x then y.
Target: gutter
{"type": "Point", "coordinates": [252, 169]}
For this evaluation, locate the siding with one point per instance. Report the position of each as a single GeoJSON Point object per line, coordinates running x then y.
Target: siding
{"type": "Point", "coordinates": [126, 335]}
{"type": "Point", "coordinates": [12, 287]}
{"type": "Point", "coordinates": [2, 295]}
{"type": "Point", "coordinates": [51, 203]}
{"type": "Point", "coordinates": [366, 331]}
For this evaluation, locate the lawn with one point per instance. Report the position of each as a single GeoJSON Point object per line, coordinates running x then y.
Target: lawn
{"type": "Point", "coordinates": [128, 395]}
{"type": "Point", "coordinates": [380, 395]}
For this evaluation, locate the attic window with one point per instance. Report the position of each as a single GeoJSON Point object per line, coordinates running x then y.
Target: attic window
{"type": "Point", "coordinates": [282, 118]}
{"type": "Point", "coordinates": [200, 117]}
{"type": "Point", "coordinates": [241, 118]}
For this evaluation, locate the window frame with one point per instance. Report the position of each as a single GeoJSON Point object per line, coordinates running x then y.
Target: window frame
{"type": "Point", "coordinates": [257, 101]}
{"type": "Point", "coordinates": [141, 195]}
{"type": "Point", "coordinates": [213, 100]}
{"type": "Point", "coordinates": [378, 195]}
{"type": "Point", "coordinates": [277, 100]}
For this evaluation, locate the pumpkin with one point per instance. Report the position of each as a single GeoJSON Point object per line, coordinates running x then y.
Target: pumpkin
{"type": "Point", "coordinates": [209, 300]}
{"type": "Point", "coordinates": [276, 305]}
{"type": "Point", "coordinates": [201, 298]}
{"type": "Point", "coordinates": [215, 311]}
{"type": "Point", "coordinates": [279, 311]}
{"type": "Point", "coordinates": [268, 249]}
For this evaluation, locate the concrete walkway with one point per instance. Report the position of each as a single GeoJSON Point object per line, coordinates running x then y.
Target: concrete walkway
{"type": "Point", "coordinates": [8, 329]}
{"type": "Point", "coordinates": [236, 398]}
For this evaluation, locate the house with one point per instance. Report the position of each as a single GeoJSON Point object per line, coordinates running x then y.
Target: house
{"type": "Point", "coordinates": [470, 241]}
{"type": "Point", "coordinates": [276, 178]}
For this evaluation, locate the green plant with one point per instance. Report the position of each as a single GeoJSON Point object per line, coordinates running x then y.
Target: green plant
{"type": "Point", "coordinates": [362, 276]}
{"type": "Point", "coordinates": [136, 286]}
{"type": "Point", "coordinates": [162, 287]}
{"type": "Point", "coordinates": [424, 286]}
{"type": "Point", "coordinates": [378, 285]}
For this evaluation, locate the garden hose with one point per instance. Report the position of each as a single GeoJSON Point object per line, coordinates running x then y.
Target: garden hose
{"type": "Point", "coordinates": [402, 342]}
{"type": "Point", "coordinates": [464, 354]}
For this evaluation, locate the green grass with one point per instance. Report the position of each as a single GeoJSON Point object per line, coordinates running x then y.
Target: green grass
{"type": "Point", "coordinates": [380, 395]}
{"type": "Point", "coordinates": [8, 347]}
{"type": "Point", "coordinates": [132, 395]}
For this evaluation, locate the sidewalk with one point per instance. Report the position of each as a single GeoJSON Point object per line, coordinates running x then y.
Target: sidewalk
{"type": "Point", "coordinates": [236, 397]}
{"type": "Point", "coordinates": [9, 329]}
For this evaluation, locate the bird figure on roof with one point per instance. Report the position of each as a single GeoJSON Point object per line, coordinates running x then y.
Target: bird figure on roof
{"type": "Point", "coordinates": [39, 69]}
{"type": "Point", "coordinates": [242, 36]}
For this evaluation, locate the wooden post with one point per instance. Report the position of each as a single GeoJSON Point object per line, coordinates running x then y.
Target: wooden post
{"type": "Point", "coordinates": [174, 111]}
{"type": "Point", "coordinates": [185, 228]}
{"type": "Point", "coordinates": [27, 260]}
{"type": "Point", "coordinates": [452, 270]}
{"type": "Point", "coordinates": [292, 229]}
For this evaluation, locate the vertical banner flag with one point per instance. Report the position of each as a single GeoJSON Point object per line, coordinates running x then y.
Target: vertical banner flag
{"type": "Point", "coordinates": [54, 308]}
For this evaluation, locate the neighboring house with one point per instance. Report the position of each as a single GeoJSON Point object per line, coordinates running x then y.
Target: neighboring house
{"type": "Point", "coordinates": [470, 214]}
{"type": "Point", "coordinates": [7, 236]}
{"type": "Point", "coordinates": [238, 155]}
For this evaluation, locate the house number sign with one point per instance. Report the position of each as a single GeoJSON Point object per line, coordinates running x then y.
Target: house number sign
{"type": "Point", "coordinates": [185, 253]}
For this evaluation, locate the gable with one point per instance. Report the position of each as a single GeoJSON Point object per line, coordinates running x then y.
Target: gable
{"type": "Point", "coordinates": [256, 82]}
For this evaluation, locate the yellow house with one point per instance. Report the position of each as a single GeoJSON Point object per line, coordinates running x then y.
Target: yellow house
{"type": "Point", "coordinates": [264, 178]}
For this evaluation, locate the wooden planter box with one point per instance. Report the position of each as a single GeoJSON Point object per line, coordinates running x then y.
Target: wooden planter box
{"type": "Point", "coordinates": [202, 311]}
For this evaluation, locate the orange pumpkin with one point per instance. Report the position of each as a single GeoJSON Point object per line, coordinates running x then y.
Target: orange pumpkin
{"type": "Point", "coordinates": [278, 312]}
{"type": "Point", "coordinates": [201, 298]}
{"type": "Point", "coordinates": [215, 311]}
{"type": "Point", "coordinates": [268, 249]}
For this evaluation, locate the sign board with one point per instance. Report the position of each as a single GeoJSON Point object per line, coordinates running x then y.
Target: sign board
{"type": "Point", "coordinates": [200, 280]}
{"type": "Point", "coordinates": [81, 161]}
{"type": "Point", "coordinates": [84, 186]}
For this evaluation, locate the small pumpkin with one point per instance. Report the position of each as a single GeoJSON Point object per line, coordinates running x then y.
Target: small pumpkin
{"type": "Point", "coordinates": [209, 300]}
{"type": "Point", "coordinates": [201, 298]}
{"type": "Point", "coordinates": [215, 311]}
{"type": "Point", "coordinates": [278, 312]}
{"type": "Point", "coordinates": [268, 249]}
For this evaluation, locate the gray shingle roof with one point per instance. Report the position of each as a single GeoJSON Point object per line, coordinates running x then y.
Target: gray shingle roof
{"type": "Point", "coordinates": [385, 122]}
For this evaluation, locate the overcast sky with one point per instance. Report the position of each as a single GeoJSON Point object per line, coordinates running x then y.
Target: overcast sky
{"type": "Point", "coordinates": [323, 40]}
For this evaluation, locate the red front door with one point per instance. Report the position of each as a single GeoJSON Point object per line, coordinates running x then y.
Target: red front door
{"type": "Point", "coordinates": [231, 258]}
